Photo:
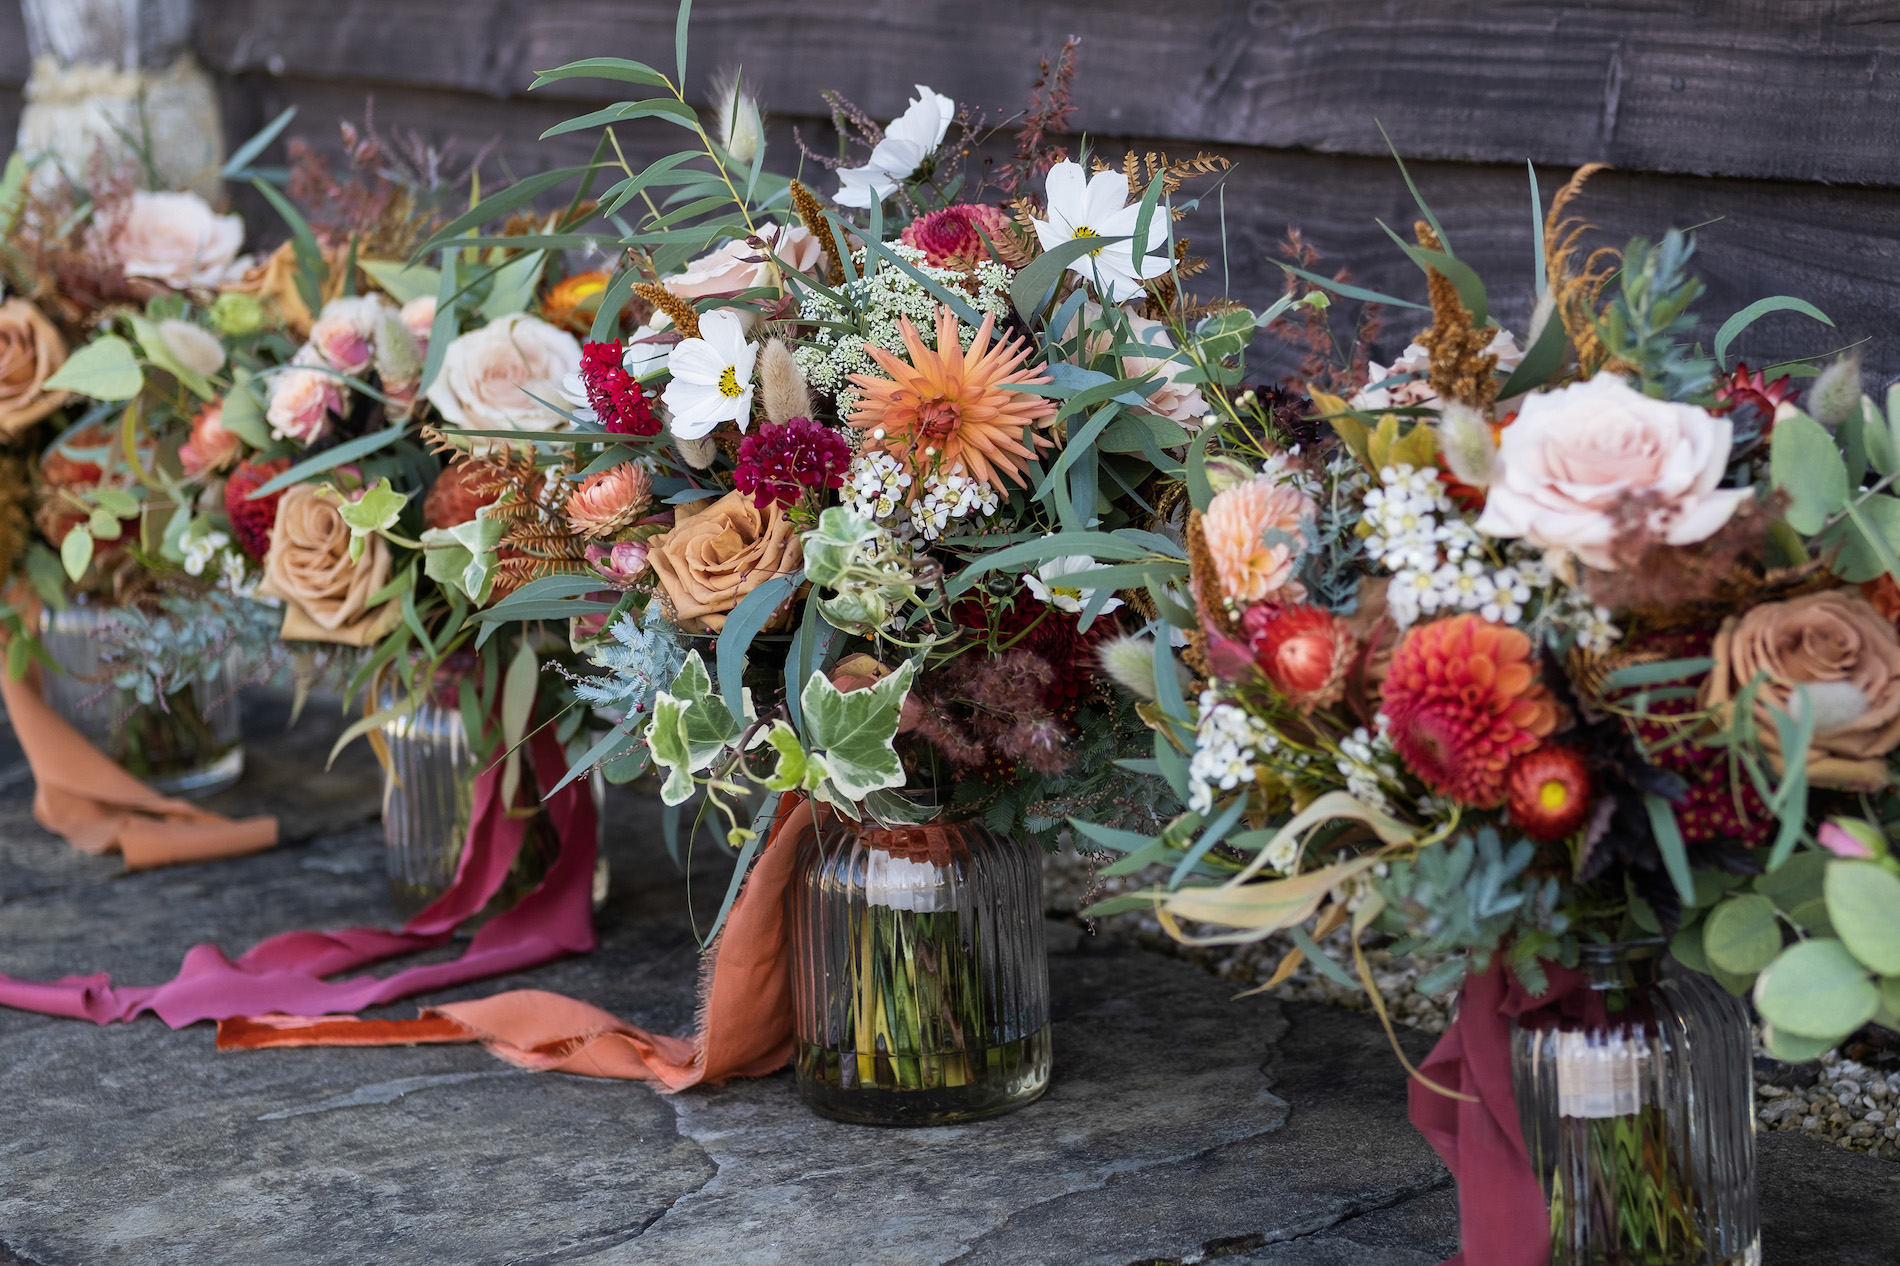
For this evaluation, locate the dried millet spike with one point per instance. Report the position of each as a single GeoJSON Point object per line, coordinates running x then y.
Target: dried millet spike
{"type": "Point", "coordinates": [1461, 368]}
{"type": "Point", "coordinates": [812, 213]}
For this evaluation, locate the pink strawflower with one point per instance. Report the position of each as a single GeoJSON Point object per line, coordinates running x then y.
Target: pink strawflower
{"type": "Point", "coordinates": [778, 462]}
{"type": "Point", "coordinates": [610, 500]}
{"type": "Point", "coordinates": [950, 239]}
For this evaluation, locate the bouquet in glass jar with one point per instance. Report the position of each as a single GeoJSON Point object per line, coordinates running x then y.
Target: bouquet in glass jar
{"type": "Point", "coordinates": [1539, 657]}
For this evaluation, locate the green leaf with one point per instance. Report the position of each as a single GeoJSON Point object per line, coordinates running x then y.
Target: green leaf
{"type": "Point", "coordinates": [1657, 673]}
{"type": "Point", "coordinates": [1545, 357]}
{"type": "Point", "coordinates": [236, 167]}
{"type": "Point", "coordinates": [1742, 934]}
{"type": "Point", "coordinates": [404, 282]}
{"type": "Point", "coordinates": [854, 730]}
{"type": "Point", "coordinates": [513, 287]}
{"type": "Point", "coordinates": [1804, 462]}
{"type": "Point", "coordinates": [680, 25]}
{"type": "Point", "coordinates": [376, 510]}
{"type": "Point", "coordinates": [160, 353]}
{"type": "Point", "coordinates": [1095, 545]}
{"type": "Point", "coordinates": [651, 108]}
{"type": "Point", "coordinates": [75, 553]}
{"type": "Point", "coordinates": [1462, 276]}
{"type": "Point", "coordinates": [1816, 989]}
{"type": "Point", "coordinates": [1686, 947]}
{"type": "Point", "coordinates": [1860, 539]}
{"type": "Point", "coordinates": [603, 68]}
{"type": "Point", "coordinates": [796, 770]}
{"type": "Point", "coordinates": [518, 688]}
{"type": "Point", "coordinates": [1030, 290]}
{"type": "Point", "coordinates": [753, 613]}
{"type": "Point", "coordinates": [957, 303]}
{"type": "Point", "coordinates": [330, 458]}
{"type": "Point", "coordinates": [1675, 855]}
{"type": "Point", "coordinates": [104, 369]}
{"type": "Point", "coordinates": [1863, 904]}
{"type": "Point", "coordinates": [495, 206]}
{"type": "Point", "coordinates": [1351, 292]}
{"type": "Point", "coordinates": [1733, 327]}
{"type": "Point", "coordinates": [1791, 1048]}
{"type": "Point", "coordinates": [243, 411]}
{"type": "Point", "coordinates": [312, 271]}
{"type": "Point", "coordinates": [666, 739]}
{"type": "Point", "coordinates": [1417, 197]}
{"type": "Point", "coordinates": [1797, 880]}
{"type": "Point", "coordinates": [463, 556]}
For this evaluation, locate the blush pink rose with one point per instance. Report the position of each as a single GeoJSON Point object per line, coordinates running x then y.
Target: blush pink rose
{"type": "Point", "coordinates": [175, 238]}
{"type": "Point", "coordinates": [419, 316]}
{"type": "Point", "coordinates": [1578, 454]}
{"type": "Point", "coordinates": [301, 404]}
{"type": "Point", "coordinates": [344, 334]}
{"type": "Point", "coordinates": [738, 265]}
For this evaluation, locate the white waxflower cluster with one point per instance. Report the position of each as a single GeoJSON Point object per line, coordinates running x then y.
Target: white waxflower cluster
{"type": "Point", "coordinates": [201, 550]}
{"type": "Point", "coordinates": [1438, 561]}
{"type": "Point", "coordinates": [837, 349]}
{"type": "Point", "coordinates": [1286, 468]}
{"type": "Point", "coordinates": [1369, 765]}
{"type": "Point", "coordinates": [876, 486]}
{"type": "Point", "coordinates": [1570, 610]}
{"type": "Point", "coordinates": [947, 497]}
{"type": "Point", "coordinates": [1227, 747]}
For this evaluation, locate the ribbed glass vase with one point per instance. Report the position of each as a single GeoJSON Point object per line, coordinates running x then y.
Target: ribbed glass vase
{"type": "Point", "coordinates": [186, 745]}
{"type": "Point", "coordinates": [1640, 1123]}
{"type": "Point", "coordinates": [428, 802]}
{"type": "Point", "coordinates": [920, 978]}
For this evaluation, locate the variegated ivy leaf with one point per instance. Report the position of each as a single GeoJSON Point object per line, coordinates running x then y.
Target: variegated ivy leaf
{"type": "Point", "coordinates": [666, 739]}
{"type": "Point", "coordinates": [464, 555]}
{"type": "Point", "coordinates": [853, 731]}
{"type": "Point", "coordinates": [691, 726]}
{"type": "Point", "coordinates": [797, 769]}
{"type": "Point", "coordinates": [375, 509]}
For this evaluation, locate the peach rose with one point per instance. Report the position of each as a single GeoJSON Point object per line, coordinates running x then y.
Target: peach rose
{"type": "Point", "coordinates": [211, 448]}
{"type": "Point", "coordinates": [175, 238]}
{"type": "Point", "coordinates": [738, 266]}
{"type": "Point", "coordinates": [301, 402]}
{"type": "Point", "coordinates": [31, 351]}
{"type": "Point", "coordinates": [490, 376]}
{"type": "Point", "coordinates": [309, 567]}
{"type": "Point", "coordinates": [419, 316]}
{"type": "Point", "coordinates": [718, 555]}
{"type": "Point", "coordinates": [344, 333]}
{"type": "Point", "coordinates": [1578, 454]}
{"type": "Point", "coordinates": [1846, 655]}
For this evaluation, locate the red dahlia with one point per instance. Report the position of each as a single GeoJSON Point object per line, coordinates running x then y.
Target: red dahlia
{"type": "Point", "coordinates": [613, 393]}
{"type": "Point", "coordinates": [950, 239]}
{"type": "Point", "coordinates": [251, 521]}
{"type": "Point", "coordinates": [1549, 792]}
{"type": "Point", "coordinates": [778, 462]}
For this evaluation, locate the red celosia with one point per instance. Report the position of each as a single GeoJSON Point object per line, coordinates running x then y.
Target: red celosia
{"type": "Point", "coordinates": [252, 521]}
{"type": "Point", "coordinates": [1549, 792]}
{"type": "Point", "coordinates": [1463, 701]}
{"type": "Point", "coordinates": [779, 462]}
{"type": "Point", "coordinates": [1304, 650]}
{"type": "Point", "coordinates": [950, 239]}
{"type": "Point", "coordinates": [613, 393]}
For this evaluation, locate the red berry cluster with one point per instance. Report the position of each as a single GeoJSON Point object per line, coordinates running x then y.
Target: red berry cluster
{"type": "Point", "coordinates": [613, 393]}
{"type": "Point", "coordinates": [778, 462]}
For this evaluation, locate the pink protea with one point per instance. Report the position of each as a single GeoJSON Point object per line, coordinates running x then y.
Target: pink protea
{"type": "Point", "coordinates": [950, 239]}
{"type": "Point", "coordinates": [778, 463]}
{"type": "Point", "coordinates": [610, 500]}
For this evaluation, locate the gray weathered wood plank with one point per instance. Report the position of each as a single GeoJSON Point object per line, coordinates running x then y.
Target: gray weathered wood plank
{"type": "Point", "coordinates": [1793, 89]}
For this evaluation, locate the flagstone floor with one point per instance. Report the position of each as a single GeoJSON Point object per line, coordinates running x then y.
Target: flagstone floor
{"type": "Point", "coordinates": [1182, 1126]}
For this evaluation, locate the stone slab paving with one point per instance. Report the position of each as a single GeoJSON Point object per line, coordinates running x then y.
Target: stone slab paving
{"type": "Point", "coordinates": [1181, 1127]}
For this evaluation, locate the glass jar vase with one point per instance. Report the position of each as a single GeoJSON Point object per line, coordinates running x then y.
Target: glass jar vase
{"type": "Point", "coordinates": [429, 802]}
{"type": "Point", "coordinates": [920, 977]}
{"type": "Point", "coordinates": [1639, 1118]}
{"type": "Point", "coordinates": [187, 744]}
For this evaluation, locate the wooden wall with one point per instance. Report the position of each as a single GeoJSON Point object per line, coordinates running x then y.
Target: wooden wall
{"type": "Point", "coordinates": [1778, 120]}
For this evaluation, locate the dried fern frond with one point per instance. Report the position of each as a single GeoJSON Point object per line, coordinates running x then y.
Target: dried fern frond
{"type": "Point", "coordinates": [1461, 368]}
{"type": "Point", "coordinates": [1576, 289]}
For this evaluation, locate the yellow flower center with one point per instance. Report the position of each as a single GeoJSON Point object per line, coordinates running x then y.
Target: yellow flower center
{"type": "Point", "coordinates": [1083, 230]}
{"type": "Point", "coordinates": [1061, 591]}
{"type": "Point", "coordinates": [729, 383]}
{"type": "Point", "coordinates": [1553, 795]}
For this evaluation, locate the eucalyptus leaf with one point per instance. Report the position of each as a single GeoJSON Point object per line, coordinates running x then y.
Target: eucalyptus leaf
{"type": "Point", "coordinates": [1805, 463]}
{"type": "Point", "coordinates": [1863, 904]}
{"type": "Point", "coordinates": [1816, 989]}
{"type": "Point", "coordinates": [1742, 934]}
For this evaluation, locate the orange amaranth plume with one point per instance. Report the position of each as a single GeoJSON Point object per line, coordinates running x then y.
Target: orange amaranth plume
{"type": "Point", "coordinates": [954, 402]}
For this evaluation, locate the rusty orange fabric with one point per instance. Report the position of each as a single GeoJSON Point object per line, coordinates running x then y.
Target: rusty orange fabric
{"type": "Point", "coordinates": [84, 796]}
{"type": "Point", "coordinates": [745, 1012]}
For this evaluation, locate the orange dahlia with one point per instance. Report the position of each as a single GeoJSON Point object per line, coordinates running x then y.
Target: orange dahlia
{"type": "Point", "coordinates": [951, 410]}
{"type": "Point", "coordinates": [1462, 701]}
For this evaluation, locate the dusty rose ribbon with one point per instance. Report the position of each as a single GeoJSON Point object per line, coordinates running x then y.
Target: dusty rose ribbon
{"type": "Point", "coordinates": [83, 795]}
{"type": "Point", "coordinates": [745, 1011]}
{"type": "Point", "coordinates": [1503, 1219]}
{"type": "Point", "coordinates": [286, 973]}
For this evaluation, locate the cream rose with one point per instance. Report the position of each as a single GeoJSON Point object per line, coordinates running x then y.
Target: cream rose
{"type": "Point", "coordinates": [31, 351]}
{"type": "Point", "coordinates": [1846, 655]}
{"type": "Point", "coordinates": [738, 266]}
{"type": "Point", "coordinates": [715, 557]}
{"type": "Point", "coordinates": [301, 403]}
{"type": "Point", "coordinates": [1175, 400]}
{"type": "Point", "coordinates": [488, 375]}
{"type": "Point", "coordinates": [309, 567]}
{"type": "Point", "coordinates": [176, 238]}
{"type": "Point", "coordinates": [1578, 454]}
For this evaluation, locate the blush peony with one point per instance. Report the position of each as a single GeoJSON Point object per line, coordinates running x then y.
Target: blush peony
{"type": "Point", "coordinates": [1577, 456]}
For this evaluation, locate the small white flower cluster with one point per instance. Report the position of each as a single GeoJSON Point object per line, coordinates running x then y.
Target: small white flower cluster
{"type": "Point", "coordinates": [1286, 468]}
{"type": "Point", "coordinates": [1369, 765]}
{"type": "Point", "coordinates": [1227, 746]}
{"type": "Point", "coordinates": [876, 485]}
{"type": "Point", "coordinates": [201, 550]}
{"type": "Point", "coordinates": [835, 353]}
{"type": "Point", "coordinates": [211, 551]}
{"type": "Point", "coordinates": [1571, 610]}
{"type": "Point", "coordinates": [948, 497]}
{"type": "Point", "coordinates": [1438, 561]}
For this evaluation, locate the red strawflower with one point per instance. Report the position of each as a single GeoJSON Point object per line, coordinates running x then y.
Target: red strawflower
{"type": "Point", "coordinates": [613, 393]}
{"type": "Point", "coordinates": [950, 239]}
{"type": "Point", "coordinates": [1548, 790]}
{"type": "Point", "coordinates": [1304, 650]}
{"type": "Point", "coordinates": [1462, 701]}
{"type": "Point", "coordinates": [252, 521]}
{"type": "Point", "coordinates": [778, 462]}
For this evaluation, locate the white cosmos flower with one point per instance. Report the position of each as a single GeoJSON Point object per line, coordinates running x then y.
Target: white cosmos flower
{"type": "Point", "coordinates": [712, 377]}
{"type": "Point", "coordinates": [1051, 584]}
{"type": "Point", "coordinates": [1097, 206]}
{"type": "Point", "coordinates": [907, 142]}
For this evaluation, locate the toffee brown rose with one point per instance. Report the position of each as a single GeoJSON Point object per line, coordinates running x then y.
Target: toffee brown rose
{"type": "Point", "coordinates": [1845, 653]}
{"type": "Point", "coordinates": [710, 561]}
{"type": "Point", "coordinates": [325, 594]}
{"type": "Point", "coordinates": [31, 351]}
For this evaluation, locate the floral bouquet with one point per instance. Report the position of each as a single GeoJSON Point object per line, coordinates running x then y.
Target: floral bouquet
{"type": "Point", "coordinates": [1522, 651]}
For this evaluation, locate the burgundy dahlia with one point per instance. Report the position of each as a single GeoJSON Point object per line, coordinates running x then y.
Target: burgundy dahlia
{"type": "Point", "coordinates": [949, 238]}
{"type": "Point", "coordinates": [613, 393]}
{"type": "Point", "coordinates": [778, 462]}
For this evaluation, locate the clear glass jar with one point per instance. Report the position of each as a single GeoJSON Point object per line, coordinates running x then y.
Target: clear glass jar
{"type": "Point", "coordinates": [429, 802]}
{"type": "Point", "coordinates": [1639, 1119]}
{"type": "Point", "coordinates": [187, 745]}
{"type": "Point", "coordinates": [920, 978]}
